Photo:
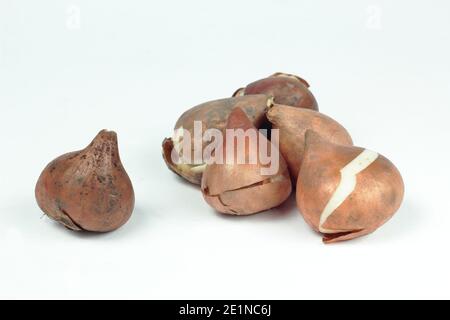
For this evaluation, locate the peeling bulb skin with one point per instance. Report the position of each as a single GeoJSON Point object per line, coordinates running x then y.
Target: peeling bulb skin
{"type": "Point", "coordinates": [241, 189]}
{"type": "Point", "coordinates": [191, 173]}
{"type": "Point", "coordinates": [293, 124]}
{"type": "Point", "coordinates": [239, 92]}
{"type": "Point", "coordinates": [287, 89]}
{"type": "Point", "coordinates": [213, 115]}
{"type": "Point", "coordinates": [345, 192]}
{"type": "Point", "coordinates": [88, 190]}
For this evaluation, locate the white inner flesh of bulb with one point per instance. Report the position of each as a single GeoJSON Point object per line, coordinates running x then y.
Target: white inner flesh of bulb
{"type": "Point", "coordinates": [177, 140]}
{"type": "Point", "coordinates": [346, 186]}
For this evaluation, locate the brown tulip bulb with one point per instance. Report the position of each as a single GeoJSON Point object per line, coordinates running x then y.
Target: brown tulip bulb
{"type": "Point", "coordinates": [293, 123]}
{"type": "Point", "coordinates": [241, 188]}
{"type": "Point", "coordinates": [88, 190]}
{"type": "Point", "coordinates": [287, 89]}
{"type": "Point", "coordinates": [212, 115]}
{"type": "Point", "coordinates": [345, 192]}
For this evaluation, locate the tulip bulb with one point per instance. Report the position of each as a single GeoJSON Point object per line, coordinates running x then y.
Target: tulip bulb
{"type": "Point", "coordinates": [212, 115]}
{"type": "Point", "coordinates": [287, 89]}
{"type": "Point", "coordinates": [345, 192]}
{"type": "Point", "coordinates": [293, 123]}
{"type": "Point", "coordinates": [88, 190]}
{"type": "Point", "coordinates": [242, 188]}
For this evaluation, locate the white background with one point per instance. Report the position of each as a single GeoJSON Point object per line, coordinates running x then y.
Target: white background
{"type": "Point", "coordinates": [381, 68]}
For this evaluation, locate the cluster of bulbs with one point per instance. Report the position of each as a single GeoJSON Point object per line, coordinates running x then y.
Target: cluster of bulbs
{"type": "Point", "coordinates": [342, 191]}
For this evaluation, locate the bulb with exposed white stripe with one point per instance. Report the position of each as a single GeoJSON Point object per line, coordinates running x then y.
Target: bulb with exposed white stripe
{"type": "Point", "coordinates": [345, 192]}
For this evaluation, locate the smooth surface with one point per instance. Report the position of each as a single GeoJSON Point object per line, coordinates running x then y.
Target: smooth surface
{"type": "Point", "coordinates": [381, 68]}
{"type": "Point", "coordinates": [346, 185]}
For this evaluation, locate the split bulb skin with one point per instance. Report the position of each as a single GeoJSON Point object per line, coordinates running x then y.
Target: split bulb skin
{"type": "Point", "coordinates": [287, 89]}
{"type": "Point", "coordinates": [241, 189]}
{"type": "Point", "coordinates": [88, 190]}
{"type": "Point", "coordinates": [293, 124]}
{"type": "Point", "coordinates": [213, 115]}
{"type": "Point", "coordinates": [348, 204]}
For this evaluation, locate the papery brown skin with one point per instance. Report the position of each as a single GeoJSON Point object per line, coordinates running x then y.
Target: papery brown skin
{"type": "Point", "coordinates": [88, 190]}
{"type": "Point", "coordinates": [214, 115]}
{"type": "Point", "coordinates": [377, 195]}
{"type": "Point", "coordinates": [287, 89]}
{"type": "Point", "coordinates": [241, 189]}
{"type": "Point", "coordinates": [293, 124]}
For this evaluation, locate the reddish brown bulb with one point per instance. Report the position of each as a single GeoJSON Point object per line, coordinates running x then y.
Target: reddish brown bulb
{"type": "Point", "coordinates": [212, 115]}
{"type": "Point", "coordinates": [88, 190]}
{"type": "Point", "coordinates": [345, 192]}
{"type": "Point", "coordinates": [243, 188]}
{"type": "Point", "coordinates": [287, 89]}
{"type": "Point", "coordinates": [293, 123]}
